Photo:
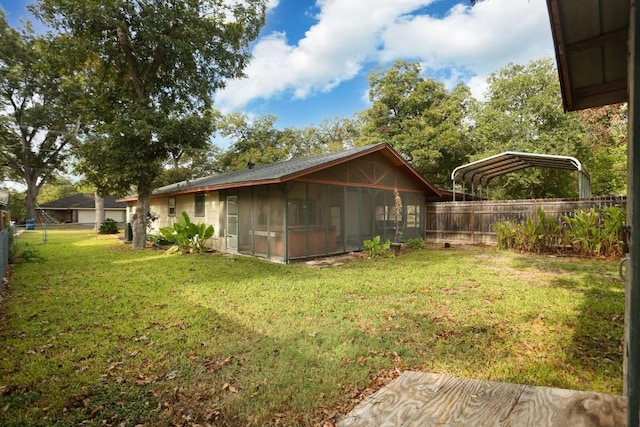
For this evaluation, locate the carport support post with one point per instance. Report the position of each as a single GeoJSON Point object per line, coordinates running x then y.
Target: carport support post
{"type": "Point", "coordinates": [632, 300]}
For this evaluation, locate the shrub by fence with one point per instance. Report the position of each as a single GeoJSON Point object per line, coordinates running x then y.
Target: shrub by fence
{"type": "Point", "coordinates": [5, 248]}
{"type": "Point", "coordinates": [596, 232]}
{"type": "Point", "coordinates": [472, 222]}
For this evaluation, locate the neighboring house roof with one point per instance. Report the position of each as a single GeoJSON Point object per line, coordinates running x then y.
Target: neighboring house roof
{"type": "Point", "coordinates": [82, 201]}
{"type": "Point", "coordinates": [285, 171]}
{"type": "Point", "coordinates": [590, 40]}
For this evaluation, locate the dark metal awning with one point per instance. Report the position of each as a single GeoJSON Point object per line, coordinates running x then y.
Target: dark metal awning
{"type": "Point", "coordinates": [482, 171]}
{"type": "Point", "coordinates": [590, 41]}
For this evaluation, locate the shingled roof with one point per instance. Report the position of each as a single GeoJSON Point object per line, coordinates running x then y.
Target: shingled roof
{"type": "Point", "coordinates": [283, 171]}
{"type": "Point", "coordinates": [82, 201]}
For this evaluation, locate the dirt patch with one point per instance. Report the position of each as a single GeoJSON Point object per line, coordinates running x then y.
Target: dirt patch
{"type": "Point", "coordinates": [332, 261]}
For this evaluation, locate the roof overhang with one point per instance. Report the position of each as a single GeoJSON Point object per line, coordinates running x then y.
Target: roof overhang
{"type": "Point", "coordinates": [482, 171]}
{"type": "Point", "coordinates": [384, 149]}
{"type": "Point", "coordinates": [590, 41]}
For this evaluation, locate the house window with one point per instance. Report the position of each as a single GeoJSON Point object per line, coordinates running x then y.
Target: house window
{"type": "Point", "coordinates": [172, 206]}
{"type": "Point", "coordinates": [199, 208]}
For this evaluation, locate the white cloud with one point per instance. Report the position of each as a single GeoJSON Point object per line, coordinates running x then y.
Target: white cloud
{"type": "Point", "coordinates": [478, 86]}
{"type": "Point", "coordinates": [478, 39]}
{"type": "Point", "coordinates": [350, 35]}
{"type": "Point", "coordinates": [333, 50]}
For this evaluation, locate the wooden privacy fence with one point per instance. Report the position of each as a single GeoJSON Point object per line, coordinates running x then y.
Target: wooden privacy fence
{"type": "Point", "coordinates": [472, 222]}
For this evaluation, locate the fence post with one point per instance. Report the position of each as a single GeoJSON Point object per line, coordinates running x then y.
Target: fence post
{"type": "Point", "coordinates": [473, 223]}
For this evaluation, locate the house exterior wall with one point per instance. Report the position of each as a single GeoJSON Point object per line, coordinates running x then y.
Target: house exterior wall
{"type": "Point", "coordinates": [160, 207]}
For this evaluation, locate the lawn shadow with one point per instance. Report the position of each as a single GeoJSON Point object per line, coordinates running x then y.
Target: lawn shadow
{"type": "Point", "coordinates": [596, 344]}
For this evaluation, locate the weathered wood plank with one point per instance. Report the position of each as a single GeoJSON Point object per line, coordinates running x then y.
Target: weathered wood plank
{"type": "Point", "coordinates": [560, 407]}
{"type": "Point", "coordinates": [424, 399]}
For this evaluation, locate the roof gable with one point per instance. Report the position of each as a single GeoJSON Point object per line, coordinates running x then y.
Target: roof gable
{"type": "Point", "coordinates": [288, 170]}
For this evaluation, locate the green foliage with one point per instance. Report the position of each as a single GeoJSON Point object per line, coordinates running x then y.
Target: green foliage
{"type": "Point", "coordinates": [25, 253]}
{"type": "Point", "coordinates": [188, 236]}
{"type": "Point", "coordinates": [17, 207]}
{"type": "Point", "coordinates": [158, 240]}
{"type": "Point", "coordinates": [524, 112]}
{"type": "Point", "coordinates": [374, 248]}
{"type": "Point", "coordinates": [260, 142]}
{"type": "Point", "coordinates": [596, 232]}
{"type": "Point", "coordinates": [606, 134]}
{"type": "Point", "coordinates": [57, 187]}
{"type": "Point", "coordinates": [506, 234]}
{"type": "Point", "coordinates": [256, 141]}
{"type": "Point", "coordinates": [151, 69]}
{"type": "Point", "coordinates": [12, 244]}
{"type": "Point", "coordinates": [108, 226]}
{"type": "Point", "coordinates": [420, 119]}
{"type": "Point", "coordinates": [416, 243]}
{"type": "Point", "coordinates": [37, 120]}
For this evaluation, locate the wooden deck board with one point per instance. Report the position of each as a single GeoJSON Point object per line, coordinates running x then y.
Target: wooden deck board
{"type": "Point", "coordinates": [424, 399]}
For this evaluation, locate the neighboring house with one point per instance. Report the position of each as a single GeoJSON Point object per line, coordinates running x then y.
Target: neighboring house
{"type": "Point", "coordinates": [81, 208]}
{"type": "Point", "coordinates": [301, 208]}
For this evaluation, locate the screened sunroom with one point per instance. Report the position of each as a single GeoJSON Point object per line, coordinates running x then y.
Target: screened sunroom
{"type": "Point", "coordinates": [307, 207]}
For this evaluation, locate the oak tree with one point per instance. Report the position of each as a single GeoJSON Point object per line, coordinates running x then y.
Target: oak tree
{"type": "Point", "coordinates": [151, 67]}
{"type": "Point", "coordinates": [419, 118]}
{"type": "Point", "coordinates": [37, 120]}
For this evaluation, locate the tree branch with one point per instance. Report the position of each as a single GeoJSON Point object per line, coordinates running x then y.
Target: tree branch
{"type": "Point", "coordinates": [132, 64]}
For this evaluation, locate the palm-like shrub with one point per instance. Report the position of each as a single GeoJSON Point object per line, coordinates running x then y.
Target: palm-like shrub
{"type": "Point", "coordinates": [188, 237]}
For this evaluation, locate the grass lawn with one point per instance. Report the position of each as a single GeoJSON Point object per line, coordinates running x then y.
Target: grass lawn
{"type": "Point", "coordinates": [92, 332]}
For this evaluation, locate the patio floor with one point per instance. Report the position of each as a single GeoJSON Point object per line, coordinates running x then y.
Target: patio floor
{"type": "Point", "coordinates": [426, 399]}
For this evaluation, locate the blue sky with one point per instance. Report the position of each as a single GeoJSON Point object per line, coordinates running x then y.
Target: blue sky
{"type": "Point", "coordinates": [313, 57]}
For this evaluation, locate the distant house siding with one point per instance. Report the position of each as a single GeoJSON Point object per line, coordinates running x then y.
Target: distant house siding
{"type": "Point", "coordinates": [88, 216]}
{"type": "Point", "coordinates": [116, 215]}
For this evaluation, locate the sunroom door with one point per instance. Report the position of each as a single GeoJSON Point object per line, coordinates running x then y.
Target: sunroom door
{"type": "Point", "coordinates": [232, 223]}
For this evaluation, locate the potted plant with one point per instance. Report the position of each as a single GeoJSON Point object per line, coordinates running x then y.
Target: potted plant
{"type": "Point", "coordinates": [396, 246]}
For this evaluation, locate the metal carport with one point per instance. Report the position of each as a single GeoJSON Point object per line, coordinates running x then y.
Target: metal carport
{"type": "Point", "coordinates": [482, 171]}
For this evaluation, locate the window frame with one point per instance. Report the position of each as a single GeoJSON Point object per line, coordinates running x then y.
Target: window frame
{"type": "Point", "coordinates": [199, 205]}
{"type": "Point", "coordinates": [172, 206]}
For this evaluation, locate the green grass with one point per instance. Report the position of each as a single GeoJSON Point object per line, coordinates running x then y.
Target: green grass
{"type": "Point", "coordinates": [94, 332]}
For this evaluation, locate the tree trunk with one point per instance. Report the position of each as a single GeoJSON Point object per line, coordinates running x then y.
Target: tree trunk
{"type": "Point", "coordinates": [99, 204]}
{"type": "Point", "coordinates": [30, 200]}
{"type": "Point", "coordinates": [139, 223]}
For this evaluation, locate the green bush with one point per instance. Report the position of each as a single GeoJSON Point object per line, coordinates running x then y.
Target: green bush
{"type": "Point", "coordinates": [158, 240]}
{"type": "Point", "coordinates": [416, 243]}
{"type": "Point", "coordinates": [108, 226]}
{"type": "Point", "coordinates": [187, 236]}
{"type": "Point", "coordinates": [375, 248]}
{"type": "Point", "coordinates": [596, 232]}
{"type": "Point", "coordinates": [506, 233]}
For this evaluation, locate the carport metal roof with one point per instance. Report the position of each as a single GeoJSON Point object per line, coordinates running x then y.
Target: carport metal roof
{"type": "Point", "coordinates": [482, 171]}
